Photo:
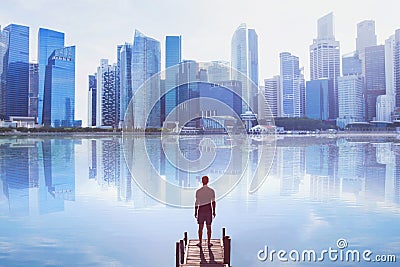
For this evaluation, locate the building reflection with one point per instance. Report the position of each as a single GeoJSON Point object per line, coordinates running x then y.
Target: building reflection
{"type": "Point", "coordinates": [33, 176]}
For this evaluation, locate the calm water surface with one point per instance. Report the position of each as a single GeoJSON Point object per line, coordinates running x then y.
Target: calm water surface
{"type": "Point", "coordinates": [73, 202]}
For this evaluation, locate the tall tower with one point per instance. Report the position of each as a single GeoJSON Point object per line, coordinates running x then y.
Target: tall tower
{"type": "Point", "coordinates": [375, 79]}
{"type": "Point", "coordinates": [33, 90]}
{"type": "Point", "coordinates": [173, 56]}
{"type": "Point", "coordinates": [92, 100]}
{"type": "Point", "coordinates": [3, 72]}
{"type": "Point", "coordinates": [17, 87]}
{"type": "Point", "coordinates": [291, 86]}
{"type": "Point", "coordinates": [59, 89]}
{"type": "Point", "coordinates": [244, 60]}
{"type": "Point", "coordinates": [125, 78]}
{"type": "Point", "coordinates": [273, 96]}
{"type": "Point", "coordinates": [146, 62]}
{"type": "Point", "coordinates": [48, 41]}
{"type": "Point", "coordinates": [325, 59]}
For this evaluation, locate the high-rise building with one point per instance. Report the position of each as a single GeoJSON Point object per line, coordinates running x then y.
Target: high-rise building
{"type": "Point", "coordinates": [218, 71]}
{"type": "Point", "coordinates": [3, 72]}
{"type": "Point", "coordinates": [244, 62]}
{"type": "Point", "coordinates": [317, 103]}
{"type": "Point", "coordinates": [365, 35]}
{"type": "Point", "coordinates": [48, 41]}
{"type": "Point", "coordinates": [272, 96]}
{"type": "Point", "coordinates": [17, 81]}
{"type": "Point", "coordinates": [33, 90]}
{"type": "Point", "coordinates": [146, 62]}
{"type": "Point", "coordinates": [59, 89]}
{"type": "Point", "coordinates": [106, 110]}
{"type": "Point", "coordinates": [375, 79]}
{"type": "Point", "coordinates": [325, 59]}
{"type": "Point", "coordinates": [92, 100]}
{"type": "Point", "coordinates": [351, 64]}
{"type": "Point", "coordinates": [291, 86]}
{"type": "Point", "coordinates": [396, 63]}
{"type": "Point", "coordinates": [350, 99]}
{"type": "Point", "coordinates": [173, 56]}
{"type": "Point", "coordinates": [125, 78]}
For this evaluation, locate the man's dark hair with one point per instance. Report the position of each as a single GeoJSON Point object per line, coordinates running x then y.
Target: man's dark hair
{"type": "Point", "coordinates": [204, 180]}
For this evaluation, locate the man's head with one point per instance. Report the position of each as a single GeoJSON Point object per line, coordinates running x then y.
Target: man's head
{"type": "Point", "coordinates": [204, 180]}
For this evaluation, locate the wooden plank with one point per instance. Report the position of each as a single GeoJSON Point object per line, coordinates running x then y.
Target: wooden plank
{"type": "Point", "coordinates": [204, 256]}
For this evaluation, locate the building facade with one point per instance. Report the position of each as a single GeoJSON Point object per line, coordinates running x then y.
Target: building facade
{"type": "Point", "coordinates": [325, 59]}
{"type": "Point", "coordinates": [291, 86]}
{"type": "Point", "coordinates": [17, 78]}
{"type": "Point", "coordinates": [351, 64]}
{"type": "Point", "coordinates": [146, 62]}
{"type": "Point", "coordinates": [92, 100]}
{"type": "Point", "coordinates": [48, 41]}
{"type": "Point", "coordinates": [59, 89]}
{"type": "Point", "coordinates": [125, 79]}
{"type": "Point", "coordinates": [317, 102]}
{"type": "Point", "coordinates": [244, 62]}
{"type": "Point", "coordinates": [3, 72]}
{"type": "Point", "coordinates": [350, 99]}
{"type": "Point", "coordinates": [33, 90]}
{"type": "Point", "coordinates": [375, 79]}
{"type": "Point", "coordinates": [273, 96]}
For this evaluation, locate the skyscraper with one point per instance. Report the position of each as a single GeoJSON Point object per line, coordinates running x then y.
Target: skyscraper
{"type": "Point", "coordinates": [106, 110]}
{"type": "Point", "coordinates": [218, 71]}
{"type": "Point", "coordinates": [365, 35]}
{"type": "Point", "coordinates": [92, 100]}
{"type": "Point", "coordinates": [396, 64]}
{"type": "Point", "coordinates": [317, 98]}
{"type": "Point", "coordinates": [173, 56]}
{"type": "Point", "coordinates": [3, 72]}
{"type": "Point", "coordinates": [59, 89]}
{"type": "Point", "coordinates": [17, 87]}
{"type": "Point", "coordinates": [291, 86]}
{"type": "Point", "coordinates": [325, 59]}
{"type": "Point", "coordinates": [244, 61]}
{"type": "Point", "coordinates": [351, 64]}
{"type": "Point", "coordinates": [33, 90]}
{"type": "Point", "coordinates": [272, 96]}
{"type": "Point", "coordinates": [146, 62]}
{"type": "Point", "coordinates": [375, 79]}
{"type": "Point", "coordinates": [350, 99]}
{"type": "Point", "coordinates": [48, 41]}
{"type": "Point", "coordinates": [125, 78]}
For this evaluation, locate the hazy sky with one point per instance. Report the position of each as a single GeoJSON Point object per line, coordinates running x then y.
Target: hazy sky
{"type": "Point", "coordinates": [96, 27]}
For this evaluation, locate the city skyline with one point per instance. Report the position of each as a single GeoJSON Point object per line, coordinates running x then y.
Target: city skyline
{"type": "Point", "coordinates": [85, 33]}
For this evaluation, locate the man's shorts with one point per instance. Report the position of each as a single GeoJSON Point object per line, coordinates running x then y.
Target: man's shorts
{"type": "Point", "coordinates": [204, 217]}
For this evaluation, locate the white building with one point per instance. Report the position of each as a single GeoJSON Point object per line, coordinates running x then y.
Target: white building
{"type": "Point", "coordinates": [273, 96]}
{"type": "Point", "coordinates": [350, 95]}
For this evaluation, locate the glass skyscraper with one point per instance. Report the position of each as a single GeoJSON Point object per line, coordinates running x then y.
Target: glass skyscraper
{"type": "Point", "coordinates": [33, 90]}
{"type": "Point", "coordinates": [291, 86]}
{"type": "Point", "coordinates": [244, 60]}
{"type": "Point", "coordinates": [351, 64]}
{"type": "Point", "coordinates": [317, 98]}
{"type": "Point", "coordinates": [272, 96]}
{"type": "Point", "coordinates": [48, 41]}
{"type": "Point", "coordinates": [17, 87]}
{"type": "Point", "coordinates": [125, 78]}
{"type": "Point", "coordinates": [146, 62]}
{"type": "Point", "coordinates": [92, 100]}
{"type": "Point", "coordinates": [59, 93]}
{"type": "Point", "coordinates": [3, 72]}
{"type": "Point", "coordinates": [325, 59]}
{"type": "Point", "coordinates": [173, 56]}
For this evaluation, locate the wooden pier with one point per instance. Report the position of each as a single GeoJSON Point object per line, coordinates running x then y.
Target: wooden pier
{"type": "Point", "coordinates": [189, 254]}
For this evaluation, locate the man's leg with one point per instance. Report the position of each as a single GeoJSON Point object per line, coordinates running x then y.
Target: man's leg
{"type": "Point", "coordinates": [201, 225]}
{"type": "Point", "coordinates": [209, 233]}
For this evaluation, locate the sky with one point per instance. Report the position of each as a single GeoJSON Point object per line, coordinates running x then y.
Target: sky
{"type": "Point", "coordinates": [96, 27]}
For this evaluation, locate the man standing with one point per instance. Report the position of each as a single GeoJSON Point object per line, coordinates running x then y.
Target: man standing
{"type": "Point", "coordinates": [204, 209]}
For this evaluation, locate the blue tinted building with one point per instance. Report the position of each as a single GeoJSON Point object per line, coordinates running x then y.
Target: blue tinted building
{"type": "Point", "coordinates": [317, 102]}
{"type": "Point", "coordinates": [16, 93]}
{"type": "Point", "coordinates": [125, 78]}
{"type": "Point", "coordinates": [351, 64]}
{"type": "Point", "coordinates": [173, 56]}
{"type": "Point", "coordinates": [3, 72]}
{"type": "Point", "coordinates": [291, 85]}
{"type": "Point", "coordinates": [92, 100]}
{"type": "Point", "coordinates": [146, 62]}
{"type": "Point", "coordinates": [48, 41]}
{"type": "Point", "coordinates": [59, 93]}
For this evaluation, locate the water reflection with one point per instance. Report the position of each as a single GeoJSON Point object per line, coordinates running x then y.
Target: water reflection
{"type": "Point", "coordinates": [38, 175]}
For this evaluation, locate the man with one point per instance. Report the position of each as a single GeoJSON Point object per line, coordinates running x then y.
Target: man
{"type": "Point", "coordinates": [204, 209]}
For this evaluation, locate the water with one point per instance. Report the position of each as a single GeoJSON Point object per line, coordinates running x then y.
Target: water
{"type": "Point", "coordinates": [72, 201]}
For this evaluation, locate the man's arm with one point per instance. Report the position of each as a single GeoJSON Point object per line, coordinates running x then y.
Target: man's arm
{"type": "Point", "coordinates": [213, 203]}
{"type": "Point", "coordinates": [196, 206]}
